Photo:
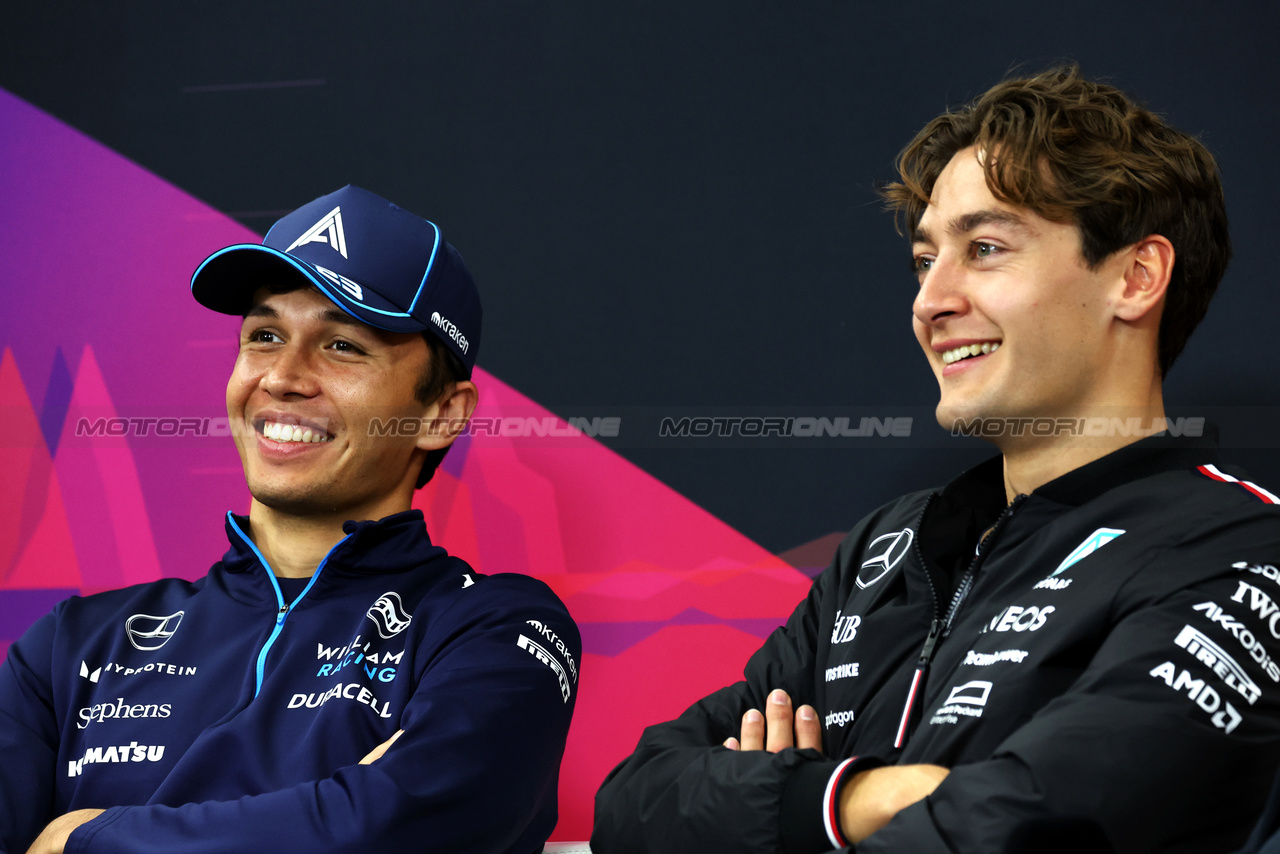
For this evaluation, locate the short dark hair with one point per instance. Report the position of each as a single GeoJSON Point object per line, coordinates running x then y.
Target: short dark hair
{"type": "Point", "coordinates": [1077, 151]}
{"type": "Point", "coordinates": [444, 370]}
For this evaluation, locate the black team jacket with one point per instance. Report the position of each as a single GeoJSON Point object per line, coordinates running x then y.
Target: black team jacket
{"type": "Point", "coordinates": [1095, 662]}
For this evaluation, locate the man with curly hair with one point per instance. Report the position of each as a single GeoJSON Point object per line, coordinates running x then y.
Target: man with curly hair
{"type": "Point", "coordinates": [1071, 646]}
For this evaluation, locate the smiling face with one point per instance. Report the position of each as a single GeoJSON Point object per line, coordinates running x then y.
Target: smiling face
{"type": "Point", "coordinates": [308, 384]}
{"type": "Point", "coordinates": [1013, 322]}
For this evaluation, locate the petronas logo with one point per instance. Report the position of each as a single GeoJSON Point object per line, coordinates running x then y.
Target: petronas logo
{"type": "Point", "coordinates": [1091, 544]}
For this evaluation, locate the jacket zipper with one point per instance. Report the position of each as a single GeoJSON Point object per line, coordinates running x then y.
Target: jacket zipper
{"type": "Point", "coordinates": [941, 625]}
{"type": "Point", "coordinates": [284, 610]}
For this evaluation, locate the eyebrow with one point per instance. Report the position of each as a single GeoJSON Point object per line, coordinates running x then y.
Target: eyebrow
{"type": "Point", "coordinates": [965, 223]}
{"type": "Point", "coordinates": [331, 315]}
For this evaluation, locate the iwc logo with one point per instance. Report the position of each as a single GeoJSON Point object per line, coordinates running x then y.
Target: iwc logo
{"type": "Point", "coordinates": [389, 615]}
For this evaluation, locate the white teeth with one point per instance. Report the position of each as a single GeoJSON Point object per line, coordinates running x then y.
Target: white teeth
{"type": "Point", "coordinates": [958, 353]}
{"type": "Point", "coordinates": [292, 433]}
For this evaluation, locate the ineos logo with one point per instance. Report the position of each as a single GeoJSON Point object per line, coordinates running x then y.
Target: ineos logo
{"type": "Point", "coordinates": [889, 550]}
{"type": "Point", "coordinates": [149, 633]}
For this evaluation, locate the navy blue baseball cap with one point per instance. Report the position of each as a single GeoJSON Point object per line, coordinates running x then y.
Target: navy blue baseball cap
{"type": "Point", "coordinates": [379, 263]}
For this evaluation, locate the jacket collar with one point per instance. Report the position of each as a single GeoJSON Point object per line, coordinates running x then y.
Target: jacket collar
{"type": "Point", "coordinates": [394, 543]}
{"type": "Point", "coordinates": [1147, 457]}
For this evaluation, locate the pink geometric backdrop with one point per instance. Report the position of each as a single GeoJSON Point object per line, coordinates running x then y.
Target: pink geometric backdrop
{"type": "Point", "coordinates": [98, 323]}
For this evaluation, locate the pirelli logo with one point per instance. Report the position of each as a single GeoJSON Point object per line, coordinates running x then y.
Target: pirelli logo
{"type": "Point", "coordinates": [537, 651]}
{"type": "Point", "coordinates": [1216, 659]}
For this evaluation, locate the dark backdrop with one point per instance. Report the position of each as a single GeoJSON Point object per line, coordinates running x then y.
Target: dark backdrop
{"type": "Point", "coordinates": [669, 206]}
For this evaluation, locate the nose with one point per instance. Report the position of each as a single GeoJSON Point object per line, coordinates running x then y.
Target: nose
{"type": "Point", "coordinates": [942, 294]}
{"type": "Point", "coordinates": [290, 374]}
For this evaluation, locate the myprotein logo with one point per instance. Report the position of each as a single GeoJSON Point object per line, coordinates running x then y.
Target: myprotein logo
{"type": "Point", "coordinates": [452, 331]}
{"type": "Point", "coordinates": [883, 554]}
{"type": "Point", "coordinates": [1216, 659]}
{"type": "Point", "coordinates": [159, 668]}
{"type": "Point", "coordinates": [389, 615]}
{"type": "Point", "coordinates": [1223, 715]}
{"type": "Point", "coordinates": [148, 633]}
{"type": "Point", "coordinates": [120, 710]}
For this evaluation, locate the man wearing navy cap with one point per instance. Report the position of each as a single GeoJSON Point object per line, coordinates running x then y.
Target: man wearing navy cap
{"type": "Point", "coordinates": [336, 682]}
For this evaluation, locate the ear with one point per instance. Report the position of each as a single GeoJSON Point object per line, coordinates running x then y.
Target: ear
{"type": "Point", "coordinates": [1146, 277]}
{"type": "Point", "coordinates": [448, 416]}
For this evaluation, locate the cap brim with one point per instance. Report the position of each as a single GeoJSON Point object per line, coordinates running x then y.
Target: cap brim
{"type": "Point", "coordinates": [227, 280]}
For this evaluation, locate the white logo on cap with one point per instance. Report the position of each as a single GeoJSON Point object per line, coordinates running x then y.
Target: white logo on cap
{"type": "Point", "coordinates": [343, 282]}
{"type": "Point", "coordinates": [327, 230]}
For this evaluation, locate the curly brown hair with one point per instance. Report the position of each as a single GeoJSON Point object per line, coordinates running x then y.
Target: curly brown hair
{"type": "Point", "coordinates": [1073, 150]}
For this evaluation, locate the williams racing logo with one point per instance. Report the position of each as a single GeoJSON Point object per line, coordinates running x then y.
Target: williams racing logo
{"type": "Point", "coordinates": [149, 633]}
{"type": "Point", "coordinates": [389, 615]}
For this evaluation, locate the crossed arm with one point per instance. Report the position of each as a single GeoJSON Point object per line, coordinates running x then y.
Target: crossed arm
{"type": "Point", "coordinates": [53, 839]}
{"type": "Point", "coordinates": [870, 798]}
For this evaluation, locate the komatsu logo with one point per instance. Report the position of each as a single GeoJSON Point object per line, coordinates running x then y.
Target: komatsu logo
{"type": "Point", "coordinates": [131, 752]}
{"type": "Point", "coordinates": [452, 331]}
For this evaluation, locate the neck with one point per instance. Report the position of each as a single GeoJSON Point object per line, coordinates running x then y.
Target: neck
{"type": "Point", "coordinates": [1031, 463]}
{"type": "Point", "coordinates": [293, 546]}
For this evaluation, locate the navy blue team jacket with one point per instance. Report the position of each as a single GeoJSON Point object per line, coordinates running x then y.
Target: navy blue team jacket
{"type": "Point", "coordinates": [229, 714]}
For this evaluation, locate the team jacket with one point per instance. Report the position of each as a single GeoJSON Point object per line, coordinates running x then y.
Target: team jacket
{"type": "Point", "coordinates": [226, 716]}
{"type": "Point", "coordinates": [1104, 661]}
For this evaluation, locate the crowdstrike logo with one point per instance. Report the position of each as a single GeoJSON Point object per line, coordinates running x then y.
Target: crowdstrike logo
{"type": "Point", "coordinates": [886, 551]}
{"type": "Point", "coordinates": [328, 231]}
{"type": "Point", "coordinates": [149, 633]}
{"type": "Point", "coordinates": [389, 615]}
{"type": "Point", "coordinates": [452, 331]}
